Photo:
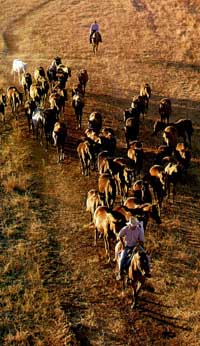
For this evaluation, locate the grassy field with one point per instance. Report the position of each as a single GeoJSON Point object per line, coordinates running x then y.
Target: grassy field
{"type": "Point", "coordinates": [56, 288]}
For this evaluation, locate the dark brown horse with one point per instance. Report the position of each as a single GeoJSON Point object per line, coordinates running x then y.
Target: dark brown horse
{"type": "Point", "coordinates": [83, 79]}
{"type": "Point", "coordinates": [59, 137]}
{"type": "Point", "coordinates": [96, 38]}
{"type": "Point", "coordinates": [2, 105]}
{"type": "Point", "coordinates": [165, 110]}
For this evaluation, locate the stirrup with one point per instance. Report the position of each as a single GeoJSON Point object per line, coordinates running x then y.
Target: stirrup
{"type": "Point", "coordinates": [118, 277]}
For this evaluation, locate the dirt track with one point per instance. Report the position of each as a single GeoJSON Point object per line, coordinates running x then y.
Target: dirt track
{"type": "Point", "coordinates": [87, 291]}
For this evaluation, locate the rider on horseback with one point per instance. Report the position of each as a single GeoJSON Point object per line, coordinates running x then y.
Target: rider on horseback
{"type": "Point", "coordinates": [94, 28]}
{"type": "Point", "coordinates": [52, 69]}
{"type": "Point", "coordinates": [55, 63]}
{"type": "Point", "coordinates": [130, 236]}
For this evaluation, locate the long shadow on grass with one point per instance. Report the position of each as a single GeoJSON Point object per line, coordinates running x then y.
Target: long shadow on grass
{"type": "Point", "coordinates": [111, 100]}
{"type": "Point", "coordinates": [179, 106]}
{"type": "Point", "coordinates": [160, 317]}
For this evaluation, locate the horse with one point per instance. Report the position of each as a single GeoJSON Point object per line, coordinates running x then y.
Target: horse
{"type": "Point", "coordinates": [26, 82]}
{"type": "Point", "coordinates": [18, 68]}
{"type": "Point", "coordinates": [83, 79]}
{"type": "Point", "coordinates": [136, 271]}
{"type": "Point", "coordinates": [107, 223]}
{"type": "Point", "coordinates": [96, 38]}
{"type": "Point", "coordinates": [2, 105]}
{"type": "Point", "coordinates": [51, 75]}
{"type": "Point", "coordinates": [29, 107]}
{"type": "Point", "coordinates": [95, 121]}
{"type": "Point", "coordinates": [78, 105]}
{"type": "Point", "coordinates": [145, 94]}
{"type": "Point", "coordinates": [15, 98]}
{"type": "Point", "coordinates": [59, 137]}
{"type": "Point", "coordinates": [165, 110]}
{"type": "Point", "coordinates": [42, 121]}
{"type": "Point", "coordinates": [144, 212]}
{"type": "Point", "coordinates": [85, 154]}
{"type": "Point", "coordinates": [38, 122]}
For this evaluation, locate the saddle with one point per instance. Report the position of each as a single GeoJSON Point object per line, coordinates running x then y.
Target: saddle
{"type": "Point", "coordinates": [130, 253]}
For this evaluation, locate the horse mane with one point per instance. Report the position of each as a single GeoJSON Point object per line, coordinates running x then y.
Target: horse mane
{"type": "Point", "coordinates": [134, 261]}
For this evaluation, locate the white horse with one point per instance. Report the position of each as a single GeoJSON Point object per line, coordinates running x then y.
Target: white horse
{"type": "Point", "coordinates": [18, 67]}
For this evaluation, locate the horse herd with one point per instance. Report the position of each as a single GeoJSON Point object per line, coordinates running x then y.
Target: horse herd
{"type": "Point", "coordinates": [43, 100]}
{"type": "Point", "coordinates": [124, 188]}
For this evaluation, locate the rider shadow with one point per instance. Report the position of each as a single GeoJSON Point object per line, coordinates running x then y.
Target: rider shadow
{"type": "Point", "coordinates": [159, 316]}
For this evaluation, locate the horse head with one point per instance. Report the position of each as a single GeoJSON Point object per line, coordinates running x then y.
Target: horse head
{"type": "Point", "coordinates": [152, 210]}
{"type": "Point", "coordinates": [141, 261]}
{"type": "Point", "coordinates": [3, 99]}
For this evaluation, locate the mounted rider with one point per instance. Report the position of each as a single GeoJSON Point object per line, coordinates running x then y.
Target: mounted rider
{"type": "Point", "coordinates": [55, 63]}
{"type": "Point", "coordinates": [130, 236]}
{"type": "Point", "coordinates": [52, 69]}
{"type": "Point", "coordinates": [94, 28]}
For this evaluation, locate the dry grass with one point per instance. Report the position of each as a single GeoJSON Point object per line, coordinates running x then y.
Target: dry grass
{"type": "Point", "coordinates": [55, 286]}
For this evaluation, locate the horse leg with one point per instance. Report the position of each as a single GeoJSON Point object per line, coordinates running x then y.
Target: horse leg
{"type": "Point", "coordinates": [133, 296]}
{"type": "Point", "coordinates": [136, 289]}
{"type": "Point", "coordinates": [82, 166]}
{"type": "Point", "coordinates": [3, 117]}
{"type": "Point", "coordinates": [190, 140]}
{"type": "Point", "coordinates": [95, 236]}
{"type": "Point", "coordinates": [77, 120]}
{"type": "Point", "coordinates": [88, 167]}
{"type": "Point", "coordinates": [63, 152]}
{"type": "Point", "coordinates": [12, 105]}
{"type": "Point", "coordinates": [107, 247]}
{"type": "Point", "coordinates": [58, 153]}
{"type": "Point", "coordinates": [80, 119]}
{"type": "Point", "coordinates": [174, 191]}
{"type": "Point", "coordinates": [168, 119]}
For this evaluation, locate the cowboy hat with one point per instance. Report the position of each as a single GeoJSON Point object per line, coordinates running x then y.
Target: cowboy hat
{"type": "Point", "coordinates": [132, 221]}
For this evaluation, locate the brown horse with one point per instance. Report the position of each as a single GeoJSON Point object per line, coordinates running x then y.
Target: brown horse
{"type": "Point", "coordinates": [15, 99]}
{"type": "Point", "coordinates": [137, 270]}
{"type": "Point", "coordinates": [59, 137]}
{"type": "Point", "coordinates": [96, 38]}
{"type": "Point", "coordinates": [83, 79]}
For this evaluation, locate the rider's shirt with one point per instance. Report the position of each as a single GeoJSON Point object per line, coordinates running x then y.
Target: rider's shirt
{"type": "Point", "coordinates": [132, 234]}
{"type": "Point", "coordinates": [94, 27]}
